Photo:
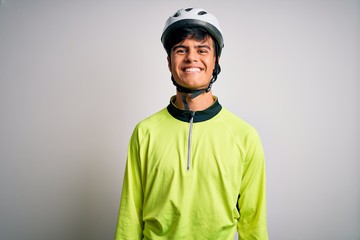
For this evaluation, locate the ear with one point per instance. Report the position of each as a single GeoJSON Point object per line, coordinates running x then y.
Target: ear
{"type": "Point", "coordinates": [169, 63]}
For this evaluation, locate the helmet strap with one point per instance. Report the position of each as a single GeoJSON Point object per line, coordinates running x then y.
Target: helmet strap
{"type": "Point", "coordinates": [196, 92]}
{"type": "Point", "coordinates": [193, 92]}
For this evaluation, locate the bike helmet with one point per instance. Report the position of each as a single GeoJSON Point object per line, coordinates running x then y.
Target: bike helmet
{"type": "Point", "coordinates": [194, 17]}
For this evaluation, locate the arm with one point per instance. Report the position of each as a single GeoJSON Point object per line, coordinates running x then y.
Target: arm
{"type": "Point", "coordinates": [130, 224]}
{"type": "Point", "coordinates": [252, 200]}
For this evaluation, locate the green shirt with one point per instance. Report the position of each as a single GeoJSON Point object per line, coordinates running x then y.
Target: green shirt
{"type": "Point", "coordinates": [193, 175]}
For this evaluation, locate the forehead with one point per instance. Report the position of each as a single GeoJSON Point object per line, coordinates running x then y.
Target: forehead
{"type": "Point", "coordinates": [191, 41]}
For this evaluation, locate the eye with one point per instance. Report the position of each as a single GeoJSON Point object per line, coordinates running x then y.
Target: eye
{"type": "Point", "coordinates": [180, 51]}
{"type": "Point", "coordinates": [203, 51]}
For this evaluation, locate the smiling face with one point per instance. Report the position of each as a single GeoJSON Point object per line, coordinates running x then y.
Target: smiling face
{"type": "Point", "coordinates": [192, 62]}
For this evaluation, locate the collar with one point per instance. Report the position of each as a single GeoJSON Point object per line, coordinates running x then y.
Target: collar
{"type": "Point", "coordinates": [199, 116]}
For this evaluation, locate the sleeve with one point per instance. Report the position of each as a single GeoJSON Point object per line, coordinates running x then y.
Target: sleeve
{"type": "Point", "coordinates": [252, 197]}
{"type": "Point", "coordinates": [130, 223]}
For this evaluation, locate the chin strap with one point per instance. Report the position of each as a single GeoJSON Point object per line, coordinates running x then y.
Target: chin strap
{"type": "Point", "coordinates": [192, 92]}
{"type": "Point", "coordinates": [196, 92]}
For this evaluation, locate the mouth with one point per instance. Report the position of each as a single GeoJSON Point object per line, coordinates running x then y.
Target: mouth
{"type": "Point", "coordinates": [192, 69]}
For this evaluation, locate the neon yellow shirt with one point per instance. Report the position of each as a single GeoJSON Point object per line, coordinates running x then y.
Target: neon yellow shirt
{"type": "Point", "coordinates": [193, 176]}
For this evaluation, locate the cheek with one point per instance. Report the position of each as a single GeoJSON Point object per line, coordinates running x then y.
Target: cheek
{"type": "Point", "coordinates": [172, 62]}
{"type": "Point", "coordinates": [211, 65]}
{"type": "Point", "coordinates": [172, 67]}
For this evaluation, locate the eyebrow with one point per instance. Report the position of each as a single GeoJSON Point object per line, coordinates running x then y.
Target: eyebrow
{"type": "Point", "coordinates": [197, 46]}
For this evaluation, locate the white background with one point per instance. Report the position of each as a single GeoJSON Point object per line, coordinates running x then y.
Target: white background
{"type": "Point", "coordinates": [76, 76]}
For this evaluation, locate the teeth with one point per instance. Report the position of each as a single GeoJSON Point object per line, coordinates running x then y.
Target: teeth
{"type": "Point", "coordinates": [192, 70]}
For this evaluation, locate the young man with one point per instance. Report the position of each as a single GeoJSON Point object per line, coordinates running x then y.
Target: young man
{"type": "Point", "coordinates": [194, 170]}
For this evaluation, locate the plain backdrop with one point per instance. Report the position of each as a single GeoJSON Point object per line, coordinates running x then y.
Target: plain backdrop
{"type": "Point", "coordinates": [76, 77]}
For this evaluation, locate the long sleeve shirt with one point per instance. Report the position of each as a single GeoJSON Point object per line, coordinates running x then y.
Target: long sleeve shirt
{"type": "Point", "coordinates": [193, 175]}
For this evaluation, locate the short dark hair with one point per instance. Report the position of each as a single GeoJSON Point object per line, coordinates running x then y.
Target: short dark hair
{"type": "Point", "coordinates": [180, 34]}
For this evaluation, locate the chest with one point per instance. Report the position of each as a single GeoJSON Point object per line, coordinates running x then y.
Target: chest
{"type": "Point", "coordinates": [201, 150]}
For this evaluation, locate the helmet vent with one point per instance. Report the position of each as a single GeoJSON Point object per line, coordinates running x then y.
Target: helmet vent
{"type": "Point", "coordinates": [202, 13]}
{"type": "Point", "coordinates": [188, 9]}
{"type": "Point", "coordinates": [176, 14]}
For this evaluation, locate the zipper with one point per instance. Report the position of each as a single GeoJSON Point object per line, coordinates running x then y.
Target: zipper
{"type": "Point", "coordinates": [189, 141]}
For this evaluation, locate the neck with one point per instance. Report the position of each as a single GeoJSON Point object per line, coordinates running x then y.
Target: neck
{"type": "Point", "coordinates": [199, 103]}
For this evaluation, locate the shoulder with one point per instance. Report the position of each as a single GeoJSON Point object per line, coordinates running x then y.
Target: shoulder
{"type": "Point", "coordinates": [153, 119]}
{"type": "Point", "coordinates": [146, 125]}
{"type": "Point", "coordinates": [236, 123]}
{"type": "Point", "coordinates": [244, 135]}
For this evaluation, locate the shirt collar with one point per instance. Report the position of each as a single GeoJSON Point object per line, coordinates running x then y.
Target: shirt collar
{"type": "Point", "coordinates": [199, 116]}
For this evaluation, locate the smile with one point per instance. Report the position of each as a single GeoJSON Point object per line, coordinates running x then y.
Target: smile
{"type": "Point", "coordinates": [192, 69]}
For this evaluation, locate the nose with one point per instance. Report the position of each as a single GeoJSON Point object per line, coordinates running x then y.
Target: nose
{"type": "Point", "coordinates": [191, 56]}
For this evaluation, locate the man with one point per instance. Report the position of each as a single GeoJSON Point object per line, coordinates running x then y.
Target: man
{"type": "Point", "coordinates": [194, 170]}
